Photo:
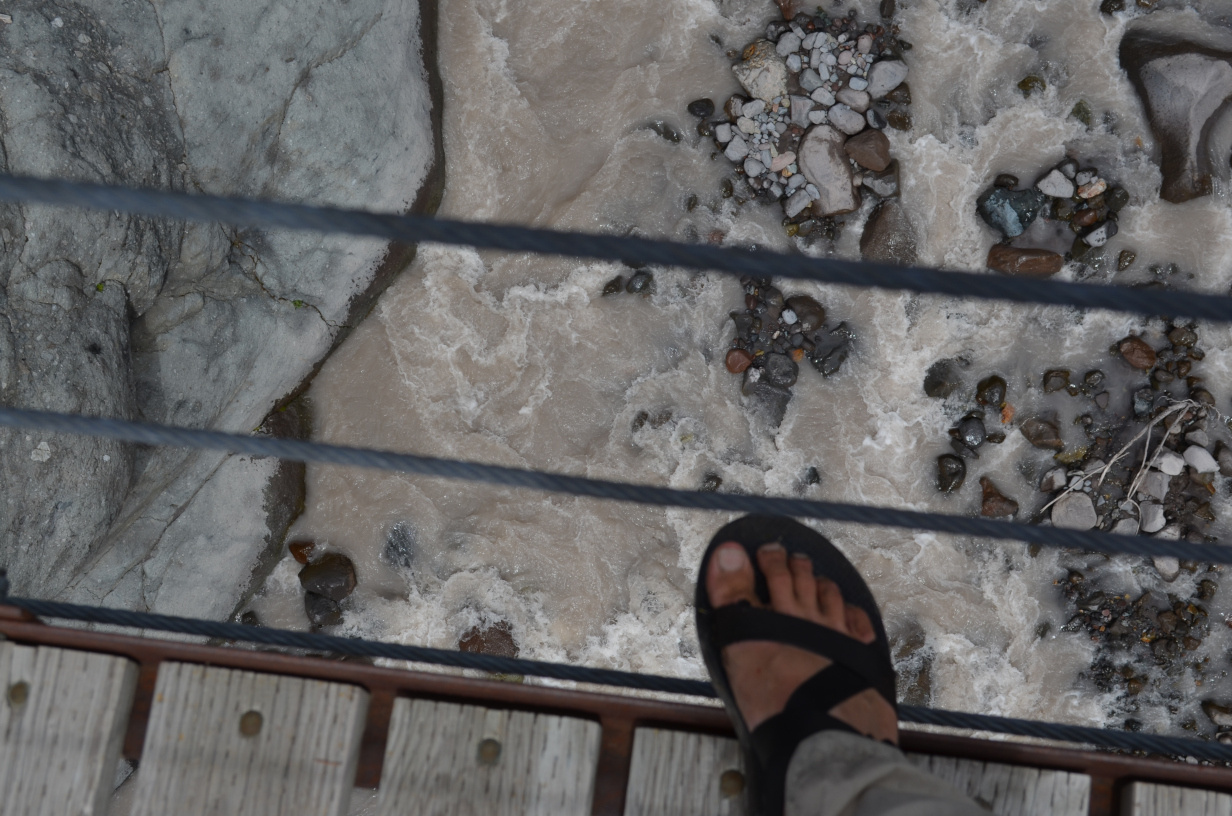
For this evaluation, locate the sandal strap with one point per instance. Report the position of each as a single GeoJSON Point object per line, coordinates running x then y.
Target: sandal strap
{"type": "Point", "coordinates": [774, 742]}
{"type": "Point", "coordinates": [740, 622]}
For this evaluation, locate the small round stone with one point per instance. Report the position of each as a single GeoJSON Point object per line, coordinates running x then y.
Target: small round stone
{"type": "Point", "coordinates": [738, 360]}
{"type": "Point", "coordinates": [701, 108]}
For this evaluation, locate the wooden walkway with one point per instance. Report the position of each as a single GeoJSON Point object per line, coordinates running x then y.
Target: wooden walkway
{"type": "Point", "coordinates": [229, 731]}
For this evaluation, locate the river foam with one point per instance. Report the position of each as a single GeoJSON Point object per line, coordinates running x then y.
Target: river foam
{"type": "Point", "coordinates": [519, 361]}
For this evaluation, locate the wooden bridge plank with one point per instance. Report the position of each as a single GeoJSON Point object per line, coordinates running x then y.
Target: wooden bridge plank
{"type": "Point", "coordinates": [439, 762]}
{"type": "Point", "coordinates": [63, 716]}
{"type": "Point", "coordinates": [680, 773]}
{"type": "Point", "coordinates": [207, 753]}
{"type": "Point", "coordinates": [1013, 790]}
{"type": "Point", "coordinates": [1147, 799]}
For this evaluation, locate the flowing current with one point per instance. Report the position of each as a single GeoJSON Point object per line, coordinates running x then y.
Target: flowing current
{"type": "Point", "coordinates": [519, 360]}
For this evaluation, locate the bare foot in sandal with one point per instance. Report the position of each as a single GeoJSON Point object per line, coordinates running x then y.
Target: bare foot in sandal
{"type": "Point", "coordinates": [763, 674]}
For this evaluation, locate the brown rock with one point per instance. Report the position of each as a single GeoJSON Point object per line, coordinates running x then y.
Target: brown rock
{"type": "Point", "coordinates": [888, 235]}
{"type": "Point", "coordinates": [301, 551]}
{"type": "Point", "coordinates": [994, 504]}
{"type": "Point", "coordinates": [1030, 263]}
{"type": "Point", "coordinates": [870, 149]}
{"type": "Point", "coordinates": [1136, 352]}
{"type": "Point", "coordinates": [1043, 434]}
{"type": "Point", "coordinates": [496, 639]}
{"type": "Point", "coordinates": [810, 313]}
{"type": "Point", "coordinates": [738, 360]}
{"type": "Point", "coordinates": [899, 120]}
{"type": "Point", "coordinates": [332, 577]}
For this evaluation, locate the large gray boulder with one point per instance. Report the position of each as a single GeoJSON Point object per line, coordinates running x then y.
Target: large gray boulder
{"type": "Point", "coordinates": [198, 325]}
{"type": "Point", "coordinates": [1185, 88]}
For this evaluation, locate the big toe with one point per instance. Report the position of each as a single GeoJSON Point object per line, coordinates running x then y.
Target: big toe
{"type": "Point", "coordinates": [730, 576]}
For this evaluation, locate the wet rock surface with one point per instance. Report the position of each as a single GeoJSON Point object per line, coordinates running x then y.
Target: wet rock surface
{"type": "Point", "coordinates": [1030, 263]}
{"type": "Point", "coordinates": [494, 639]}
{"type": "Point", "coordinates": [332, 575]}
{"type": "Point", "coordinates": [199, 325]}
{"type": "Point", "coordinates": [889, 236]}
{"type": "Point", "coordinates": [1183, 86]}
{"type": "Point", "coordinates": [774, 335]}
{"type": "Point", "coordinates": [810, 84]}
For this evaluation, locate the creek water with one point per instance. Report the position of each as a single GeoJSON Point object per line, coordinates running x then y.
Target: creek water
{"type": "Point", "coordinates": [519, 360]}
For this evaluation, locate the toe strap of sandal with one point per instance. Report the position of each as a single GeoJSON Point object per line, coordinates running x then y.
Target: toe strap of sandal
{"type": "Point", "coordinates": [867, 662]}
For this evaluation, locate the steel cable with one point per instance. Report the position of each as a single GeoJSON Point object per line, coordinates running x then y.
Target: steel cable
{"type": "Point", "coordinates": [760, 264]}
{"type": "Point", "coordinates": [356, 647]}
{"type": "Point", "coordinates": [320, 453]}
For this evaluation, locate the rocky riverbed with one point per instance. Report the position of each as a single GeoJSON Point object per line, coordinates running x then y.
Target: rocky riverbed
{"type": "Point", "coordinates": [1039, 414]}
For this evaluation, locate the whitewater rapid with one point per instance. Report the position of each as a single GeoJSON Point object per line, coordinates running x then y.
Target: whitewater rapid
{"type": "Point", "coordinates": [518, 360]}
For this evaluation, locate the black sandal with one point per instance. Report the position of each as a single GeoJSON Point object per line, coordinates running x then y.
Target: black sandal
{"type": "Point", "coordinates": [855, 667]}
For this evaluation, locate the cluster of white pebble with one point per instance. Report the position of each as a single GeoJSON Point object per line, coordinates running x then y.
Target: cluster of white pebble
{"type": "Point", "coordinates": [842, 78]}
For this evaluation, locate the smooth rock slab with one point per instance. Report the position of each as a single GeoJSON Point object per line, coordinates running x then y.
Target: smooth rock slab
{"type": "Point", "coordinates": [1074, 511]}
{"type": "Point", "coordinates": [822, 161]}
{"type": "Point", "coordinates": [1183, 86]}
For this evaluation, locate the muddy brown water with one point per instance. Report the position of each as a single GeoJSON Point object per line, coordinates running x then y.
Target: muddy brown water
{"type": "Point", "coordinates": [519, 361]}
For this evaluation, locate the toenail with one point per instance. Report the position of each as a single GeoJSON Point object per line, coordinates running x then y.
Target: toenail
{"type": "Point", "coordinates": [800, 556]}
{"type": "Point", "coordinates": [773, 546]}
{"type": "Point", "coordinates": [731, 559]}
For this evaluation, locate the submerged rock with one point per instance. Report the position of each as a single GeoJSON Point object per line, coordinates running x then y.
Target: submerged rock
{"type": "Point", "coordinates": [495, 639]}
{"type": "Point", "coordinates": [322, 611]}
{"type": "Point", "coordinates": [1183, 86]}
{"type": "Point", "coordinates": [951, 471]}
{"type": "Point", "coordinates": [888, 235]}
{"type": "Point", "coordinates": [993, 503]}
{"type": "Point", "coordinates": [883, 184]}
{"type": "Point", "coordinates": [1030, 263]}
{"type": "Point", "coordinates": [825, 165]}
{"type": "Point", "coordinates": [943, 378]}
{"type": "Point", "coordinates": [1010, 211]}
{"type": "Point", "coordinates": [771, 400]}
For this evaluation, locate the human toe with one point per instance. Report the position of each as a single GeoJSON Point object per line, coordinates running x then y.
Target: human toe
{"type": "Point", "coordinates": [730, 578]}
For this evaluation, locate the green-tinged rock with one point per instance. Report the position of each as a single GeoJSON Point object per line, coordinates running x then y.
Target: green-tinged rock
{"type": "Point", "coordinates": [1082, 112]}
{"type": "Point", "coordinates": [1031, 84]}
{"type": "Point", "coordinates": [1126, 259]}
{"type": "Point", "coordinates": [1116, 199]}
{"type": "Point", "coordinates": [1010, 211]}
{"type": "Point", "coordinates": [1072, 457]}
